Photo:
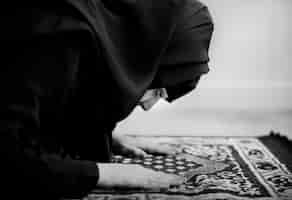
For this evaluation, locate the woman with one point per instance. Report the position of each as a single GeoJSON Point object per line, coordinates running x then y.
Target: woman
{"type": "Point", "coordinates": [72, 70]}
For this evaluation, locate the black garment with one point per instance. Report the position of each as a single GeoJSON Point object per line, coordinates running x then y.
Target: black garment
{"type": "Point", "coordinates": [42, 112]}
{"type": "Point", "coordinates": [185, 58]}
{"type": "Point", "coordinates": [146, 42]}
{"type": "Point", "coordinates": [65, 65]}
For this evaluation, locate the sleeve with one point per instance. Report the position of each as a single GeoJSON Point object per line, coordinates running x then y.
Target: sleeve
{"type": "Point", "coordinates": [29, 75]}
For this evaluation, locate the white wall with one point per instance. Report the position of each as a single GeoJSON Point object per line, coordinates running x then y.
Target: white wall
{"type": "Point", "coordinates": [252, 41]}
{"type": "Point", "coordinates": [249, 88]}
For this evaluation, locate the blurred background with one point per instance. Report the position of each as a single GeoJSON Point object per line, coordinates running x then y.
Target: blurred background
{"type": "Point", "coordinates": [248, 91]}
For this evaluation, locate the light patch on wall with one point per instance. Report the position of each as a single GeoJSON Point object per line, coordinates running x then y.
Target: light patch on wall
{"type": "Point", "coordinates": [252, 40]}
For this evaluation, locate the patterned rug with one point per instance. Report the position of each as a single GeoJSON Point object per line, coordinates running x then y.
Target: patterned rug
{"type": "Point", "coordinates": [213, 168]}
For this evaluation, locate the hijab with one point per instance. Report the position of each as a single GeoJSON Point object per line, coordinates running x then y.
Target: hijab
{"type": "Point", "coordinates": [128, 46]}
{"type": "Point", "coordinates": [149, 44]}
{"type": "Point", "coordinates": [140, 44]}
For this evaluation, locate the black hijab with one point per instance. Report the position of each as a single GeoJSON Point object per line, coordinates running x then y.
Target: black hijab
{"type": "Point", "coordinates": [125, 46]}
{"type": "Point", "coordinates": [149, 44]}
{"type": "Point", "coordinates": [140, 44]}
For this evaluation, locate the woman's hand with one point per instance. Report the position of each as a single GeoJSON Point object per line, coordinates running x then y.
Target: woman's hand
{"type": "Point", "coordinates": [141, 147]}
{"type": "Point", "coordinates": [133, 176]}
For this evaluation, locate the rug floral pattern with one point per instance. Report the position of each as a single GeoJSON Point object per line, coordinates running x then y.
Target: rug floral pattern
{"type": "Point", "coordinates": [216, 168]}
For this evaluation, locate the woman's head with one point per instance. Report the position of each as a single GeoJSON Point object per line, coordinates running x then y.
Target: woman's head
{"type": "Point", "coordinates": [160, 46]}
{"type": "Point", "coordinates": [186, 58]}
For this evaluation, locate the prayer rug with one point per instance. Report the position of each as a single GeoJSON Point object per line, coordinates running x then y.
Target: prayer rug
{"type": "Point", "coordinates": [229, 168]}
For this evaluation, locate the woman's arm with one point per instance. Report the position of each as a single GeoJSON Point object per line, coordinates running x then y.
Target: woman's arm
{"type": "Point", "coordinates": [31, 75]}
{"type": "Point", "coordinates": [26, 167]}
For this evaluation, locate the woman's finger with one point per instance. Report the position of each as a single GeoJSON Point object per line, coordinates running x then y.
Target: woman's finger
{"type": "Point", "coordinates": [139, 152]}
{"type": "Point", "coordinates": [162, 149]}
{"type": "Point", "coordinates": [163, 180]}
{"type": "Point", "coordinates": [134, 151]}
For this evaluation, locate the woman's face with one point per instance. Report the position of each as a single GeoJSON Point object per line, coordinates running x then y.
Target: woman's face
{"type": "Point", "coordinates": [151, 97]}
